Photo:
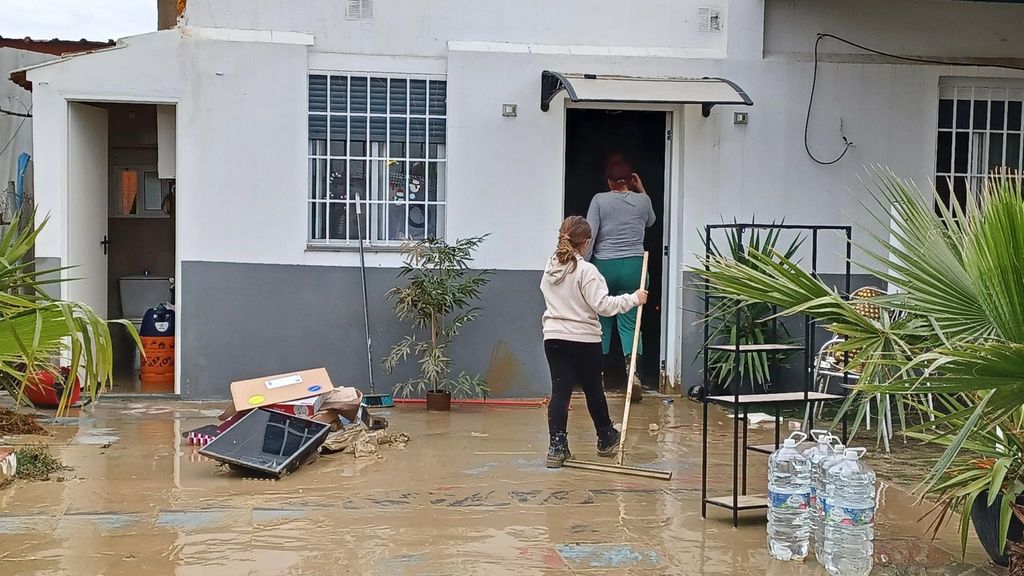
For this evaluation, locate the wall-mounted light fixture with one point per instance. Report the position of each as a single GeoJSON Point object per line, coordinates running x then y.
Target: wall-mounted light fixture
{"type": "Point", "coordinates": [509, 110]}
{"type": "Point", "coordinates": [740, 118]}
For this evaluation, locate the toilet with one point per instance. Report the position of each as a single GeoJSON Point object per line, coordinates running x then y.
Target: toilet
{"type": "Point", "coordinates": [140, 293]}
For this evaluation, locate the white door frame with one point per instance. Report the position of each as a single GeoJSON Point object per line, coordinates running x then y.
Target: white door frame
{"type": "Point", "coordinates": [671, 328]}
{"type": "Point", "coordinates": [178, 299]}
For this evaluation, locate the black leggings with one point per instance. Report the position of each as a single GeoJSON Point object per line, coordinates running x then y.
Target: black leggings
{"type": "Point", "coordinates": [573, 363]}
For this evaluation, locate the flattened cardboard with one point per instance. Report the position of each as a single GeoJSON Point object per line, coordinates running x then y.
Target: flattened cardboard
{"type": "Point", "coordinates": [267, 390]}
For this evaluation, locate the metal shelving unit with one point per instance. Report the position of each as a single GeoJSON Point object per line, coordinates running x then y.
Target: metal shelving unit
{"type": "Point", "coordinates": [738, 500]}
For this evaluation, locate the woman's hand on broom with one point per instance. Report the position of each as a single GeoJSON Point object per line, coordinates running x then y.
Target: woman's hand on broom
{"type": "Point", "coordinates": [641, 296]}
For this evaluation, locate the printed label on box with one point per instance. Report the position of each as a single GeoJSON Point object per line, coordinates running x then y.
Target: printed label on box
{"type": "Point", "coordinates": [849, 516]}
{"type": "Point", "coordinates": [285, 381]}
{"type": "Point", "coordinates": [787, 501]}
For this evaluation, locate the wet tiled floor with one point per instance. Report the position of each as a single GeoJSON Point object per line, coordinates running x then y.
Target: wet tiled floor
{"type": "Point", "coordinates": [469, 495]}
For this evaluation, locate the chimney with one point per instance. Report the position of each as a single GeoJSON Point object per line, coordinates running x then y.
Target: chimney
{"type": "Point", "coordinates": [168, 12]}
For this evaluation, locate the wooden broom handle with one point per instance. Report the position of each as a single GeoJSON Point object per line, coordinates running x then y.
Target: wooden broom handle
{"type": "Point", "coordinates": [632, 364]}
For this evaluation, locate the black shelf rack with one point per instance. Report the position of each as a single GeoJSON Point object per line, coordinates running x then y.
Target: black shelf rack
{"type": "Point", "coordinates": [738, 499]}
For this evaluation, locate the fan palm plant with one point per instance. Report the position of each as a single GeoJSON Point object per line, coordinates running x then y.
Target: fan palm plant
{"type": "Point", "coordinates": [37, 332]}
{"type": "Point", "coordinates": [954, 328]}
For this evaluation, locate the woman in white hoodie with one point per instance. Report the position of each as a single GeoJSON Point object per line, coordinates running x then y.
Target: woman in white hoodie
{"type": "Point", "coordinates": [575, 294]}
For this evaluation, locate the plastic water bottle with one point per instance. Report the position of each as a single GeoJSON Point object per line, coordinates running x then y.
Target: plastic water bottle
{"type": "Point", "coordinates": [849, 516]}
{"type": "Point", "coordinates": [816, 455]}
{"type": "Point", "coordinates": [826, 464]}
{"type": "Point", "coordinates": [789, 495]}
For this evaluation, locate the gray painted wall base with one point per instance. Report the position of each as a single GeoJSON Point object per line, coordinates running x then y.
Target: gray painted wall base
{"type": "Point", "coordinates": [248, 320]}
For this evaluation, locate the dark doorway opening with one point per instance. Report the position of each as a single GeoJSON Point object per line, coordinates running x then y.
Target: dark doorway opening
{"type": "Point", "coordinates": [590, 137]}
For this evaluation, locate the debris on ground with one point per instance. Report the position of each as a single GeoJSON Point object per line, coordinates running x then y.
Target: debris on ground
{"type": "Point", "coordinates": [393, 439]}
{"type": "Point", "coordinates": [298, 398]}
{"type": "Point", "coordinates": [36, 463]}
{"type": "Point", "coordinates": [12, 423]}
{"type": "Point", "coordinates": [342, 440]}
{"type": "Point", "coordinates": [202, 436]}
{"type": "Point", "coordinates": [653, 428]}
{"type": "Point", "coordinates": [8, 466]}
{"type": "Point", "coordinates": [357, 441]}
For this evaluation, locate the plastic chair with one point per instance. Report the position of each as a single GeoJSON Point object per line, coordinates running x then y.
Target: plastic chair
{"type": "Point", "coordinates": [830, 363]}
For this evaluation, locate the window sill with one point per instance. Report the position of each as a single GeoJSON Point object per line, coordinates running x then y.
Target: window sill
{"type": "Point", "coordinates": [353, 248]}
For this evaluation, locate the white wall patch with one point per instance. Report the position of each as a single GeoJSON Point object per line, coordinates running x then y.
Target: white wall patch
{"type": "Point", "coordinates": [709, 19]}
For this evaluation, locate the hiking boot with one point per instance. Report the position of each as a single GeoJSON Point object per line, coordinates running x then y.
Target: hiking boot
{"type": "Point", "coordinates": [638, 387]}
{"type": "Point", "coordinates": [558, 453]}
{"type": "Point", "coordinates": [607, 441]}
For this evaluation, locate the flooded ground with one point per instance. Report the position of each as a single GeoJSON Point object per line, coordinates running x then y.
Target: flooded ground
{"type": "Point", "coordinates": [469, 495]}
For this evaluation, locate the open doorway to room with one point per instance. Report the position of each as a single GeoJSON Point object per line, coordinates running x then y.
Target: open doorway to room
{"type": "Point", "coordinates": [591, 136]}
{"type": "Point", "coordinates": [121, 229]}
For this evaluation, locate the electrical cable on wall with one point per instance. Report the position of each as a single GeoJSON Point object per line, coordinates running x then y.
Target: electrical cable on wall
{"type": "Point", "coordinates": [13, 113]}
{"type": "Point", "coordinates": [24, 118]}
{"type": "Point", "coordinates": [814, 81]}
{"type": "Point", "coordinates": [13, 136]}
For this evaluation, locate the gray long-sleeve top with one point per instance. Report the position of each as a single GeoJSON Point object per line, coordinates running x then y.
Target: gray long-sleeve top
{"type": "Point", "coordinates": [618, 221]}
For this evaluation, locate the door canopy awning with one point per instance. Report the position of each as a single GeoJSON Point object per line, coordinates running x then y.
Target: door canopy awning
{"type": "Point", "coordinates": [707, 92]}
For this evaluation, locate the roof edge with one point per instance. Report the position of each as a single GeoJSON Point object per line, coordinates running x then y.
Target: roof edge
{"type": "Point", "coordinates": [20, 75]}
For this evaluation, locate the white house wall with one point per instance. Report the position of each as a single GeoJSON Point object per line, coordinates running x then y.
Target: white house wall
{"type": "Point", "coordinates": [920, 28]}
{"type": "Point", "coordinates": [424, 27]}
{"type": "Point", "coordinates": [241, 129]}
{"type": "Point", "coordinates": [145, 69]}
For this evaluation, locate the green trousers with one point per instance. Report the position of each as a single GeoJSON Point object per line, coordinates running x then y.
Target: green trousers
{"type": "Point", "coordinates": [623, 277]}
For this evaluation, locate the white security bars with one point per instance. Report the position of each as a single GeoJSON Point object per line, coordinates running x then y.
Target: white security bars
{"type": "Point", "coordinates": [381, 138]}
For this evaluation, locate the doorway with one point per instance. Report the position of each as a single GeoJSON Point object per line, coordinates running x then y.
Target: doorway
{"type": "Point", "coordinates": [121, 226]}
{"type": "Point", "coordinates": [591, 136]}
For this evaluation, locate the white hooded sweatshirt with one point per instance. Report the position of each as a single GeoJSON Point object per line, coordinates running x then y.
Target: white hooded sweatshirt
{"type": "Point", "coordinates": [575, 299]}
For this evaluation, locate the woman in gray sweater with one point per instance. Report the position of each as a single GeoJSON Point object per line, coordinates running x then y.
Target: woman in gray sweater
{"type": "Point", "coordinates": [618, 219]}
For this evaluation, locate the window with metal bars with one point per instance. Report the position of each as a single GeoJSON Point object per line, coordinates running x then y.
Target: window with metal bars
{"type": "Point", "coordinates": [980, 130]}
{"type": "Point", "coordinates": [379, 140]}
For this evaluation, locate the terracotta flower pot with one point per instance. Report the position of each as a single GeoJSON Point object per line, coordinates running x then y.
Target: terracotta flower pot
{"type": "Point", "coordinates": [44, 390]}
{"type": "Point", "coordinates": [439, 401]}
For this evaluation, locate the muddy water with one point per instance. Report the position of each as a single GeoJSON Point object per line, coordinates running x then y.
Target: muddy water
{"type": "Point", "coordinates": [470, 495]}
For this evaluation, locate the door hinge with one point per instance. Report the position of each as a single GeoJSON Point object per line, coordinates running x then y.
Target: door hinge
{"type": "Point", "coordinates": [668, 135]}
{"type": "Point", "coordinates": [662, 366]}
{"type": "Point", "coordinates": [665, 251]}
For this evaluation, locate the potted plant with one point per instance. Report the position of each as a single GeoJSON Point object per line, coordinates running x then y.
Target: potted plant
{"type": "Point", "coordinates": [437, 302]}
{"type": "Point", "coordinates": [750, 329]}
{"type": "Point", "coordinates": [953, 329]}
{"type": "Point", "coordinates": [44, 340]}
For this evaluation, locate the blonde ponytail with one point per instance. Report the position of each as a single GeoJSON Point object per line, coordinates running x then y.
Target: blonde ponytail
{"type": "Point", "coordinates": [572, 235]}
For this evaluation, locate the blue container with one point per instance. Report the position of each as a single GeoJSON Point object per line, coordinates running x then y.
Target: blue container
{"type": "Point", "coordinates": [158, 322]}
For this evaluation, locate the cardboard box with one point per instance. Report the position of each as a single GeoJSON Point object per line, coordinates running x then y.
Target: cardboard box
{"type": "Point", "coordinates": [304, 407]}
{"type": "Point", "coordinates": [267, 390]}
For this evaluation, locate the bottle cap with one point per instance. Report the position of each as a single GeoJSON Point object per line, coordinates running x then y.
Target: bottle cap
{"type": "Point", "coordinates": [851, 454]}
{"type": "Point", "coordinates": [789, 443]}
